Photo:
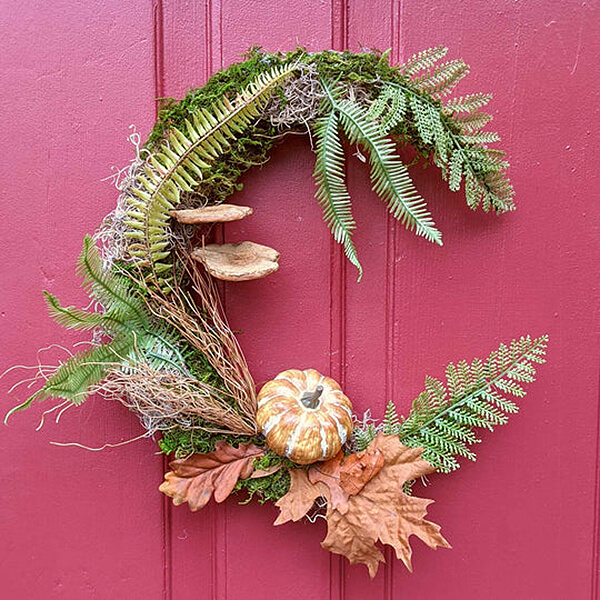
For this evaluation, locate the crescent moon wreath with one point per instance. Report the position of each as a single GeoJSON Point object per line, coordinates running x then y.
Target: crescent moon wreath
{"type": "Point", "coordinates": [160, 341]}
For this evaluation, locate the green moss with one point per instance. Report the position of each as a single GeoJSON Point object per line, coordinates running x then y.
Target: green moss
{"type": "Point", "coordinates": [254, 147]}
{"type": "Point", "coordinates": [180, 442]}
{"type": "Point", "coordinates": [265, 489]}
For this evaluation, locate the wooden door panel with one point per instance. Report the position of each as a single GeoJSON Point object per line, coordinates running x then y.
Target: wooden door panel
{"type": "Point", "coordinates": [523, 520]}
{"type": "Point", "coordinates": [73, 523]}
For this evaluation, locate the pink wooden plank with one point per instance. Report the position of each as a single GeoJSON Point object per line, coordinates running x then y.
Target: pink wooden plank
{"type": "Point", "coordinates": [241, 536]}
{"type": "Point", "coordinates": [369, 303]}
{"type": "Point", "coordinates": [521, 519]}
{"type": "Point", "coordinates": [190, 47]}
{"type": "Point", "coordinates": [75, 524]}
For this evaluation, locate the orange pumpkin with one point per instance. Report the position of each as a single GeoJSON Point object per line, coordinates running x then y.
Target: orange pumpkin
{"type": "Point", "coordinates": [304, 416]}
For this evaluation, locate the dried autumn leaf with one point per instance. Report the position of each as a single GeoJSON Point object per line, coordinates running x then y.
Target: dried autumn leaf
{"type": "Point", "coordinates": [358, 469]}
{"type": "Point", "coordinates": [265, 472]}
{"type": "Point", "coordinates": [328, 472]}
{"type": "Point", "coordinates": [195, 479]}
{"type": "Point", "coordinates": [383, 512]}
{"type": "Point", "coordinates": [377, 512]}
{"type": "Point", "coordinates": [300, 497]}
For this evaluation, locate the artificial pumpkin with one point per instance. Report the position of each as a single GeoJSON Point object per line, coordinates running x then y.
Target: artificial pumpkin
{"type": "Point", "coordinates": [304, 415]}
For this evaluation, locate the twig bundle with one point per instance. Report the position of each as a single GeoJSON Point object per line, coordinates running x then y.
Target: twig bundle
{"type": "Point", "coordinates": [164, 400]}
{"type": "Point", "coordinates": [199, 319]}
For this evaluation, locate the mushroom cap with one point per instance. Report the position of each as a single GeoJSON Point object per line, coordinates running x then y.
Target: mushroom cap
{"type": "Point", "coordinates": [238, 262]}
{"type": "Point", "coordinates": [220, 213]}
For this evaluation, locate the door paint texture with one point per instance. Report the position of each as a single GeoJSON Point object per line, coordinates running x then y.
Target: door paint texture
{"type": "Point", "coordinates": [523, 521]}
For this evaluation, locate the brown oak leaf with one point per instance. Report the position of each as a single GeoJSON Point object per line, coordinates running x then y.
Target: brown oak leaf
{"type": "Point", "coordinates": [376, 509]}
{"type": "Point", "coordinates": [358, 469]}
{"type": "Point", "coordinates": [196, 478]}
{"type": "Point", "coordinates": [265, 472]}
{"type": "Point", "coordinates": [328, 472]}
{"type": "Point", "coordinates": [300, 497]}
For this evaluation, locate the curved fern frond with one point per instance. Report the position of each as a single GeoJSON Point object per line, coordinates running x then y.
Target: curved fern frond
{"type": "Point", "coordinates": [452, 130]}
{"type": "Point", "coordinates": [332, 193]}
{"type": "Point", "coordinates": [389, 176]}
{"type": "Point", "coordinates": [71, 317]}
{"type": "Point", "coordinates": [112, 291]}
{"type": "Point", "coordinates": [179, 163]}
{"type": "Point", "coordinates": [441, 80]}
{"type": "Point", "coordinates": [442, 418]}
{"type": "Point", "coordinates": [469, 104]}
{"type": "Point", "coordinates": [74, 377]}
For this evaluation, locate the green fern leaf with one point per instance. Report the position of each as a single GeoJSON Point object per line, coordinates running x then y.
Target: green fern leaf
{"type": "Point", "coordinates": [389, 176]}
{"type": "Point", "coordinates": [389, 108]}
{"type": "Point", "coordinates": [443, 417]}
{"type": "Point", "coordinates": [109, 289]}
{"type": "Point", "coordinates": [453, 131]}
{"type": "Point", "coordinates": [391, 421]}
{"type": "Point", "coordinates": [178, 166]}
{"type": "Point", "coordinates": [441, 80]}
{"type": "Point", "coordinates": [74, 377]}
{"type": "Point", "coordinates": [71, 317]}
{"type": "Point", "coordinates": [466, 104]}
{"type": "Point", "coordinates": [331, 191]}
{"type": "Point", "coordinates": [422, 60]}
{"type": "Point", "coordinates": [473, 122]}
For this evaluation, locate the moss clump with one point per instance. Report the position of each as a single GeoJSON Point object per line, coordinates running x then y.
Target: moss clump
{"type": "Point", "coordinates": [180, 442]}
{"type": "Point", "coordinates": [254, 147]}
{"type": "Point", "coordinates": [272, 487]}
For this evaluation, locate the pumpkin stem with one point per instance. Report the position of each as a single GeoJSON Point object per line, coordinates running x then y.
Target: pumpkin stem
{"type": "Point", "coordinates": [311, 399]}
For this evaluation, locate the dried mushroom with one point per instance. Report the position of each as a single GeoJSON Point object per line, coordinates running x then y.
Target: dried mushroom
{"type": "Point", "coordinates": [237, 262]}
{"type": "Point", "coordinates": [221, 213]}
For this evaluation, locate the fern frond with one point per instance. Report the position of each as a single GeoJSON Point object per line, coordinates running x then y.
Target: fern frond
{"type": "Point", "coordinates": [443, 416]}
{"type": "Point", "coordinates": [472, 122]}
{"type": "Point", "coordinates": [389, 176]}
{"type": "Point", "coordinates": [112, 291]}
{"type": "Point", "coordinates": [331, 188]}
{"type": "Point", "coordinates": [391, 420]}
{"type": "Point", "coordinates": [389, 108]}
{"type": "Point", "coordinates": [71, 317]}
{"type": "Point", "coordinates": [179, 163]}
{"type": "Point", "coordinates": [430, 126]}
{"type": "Point", "coordinates": [112, 322]}
{"type": "Point", "coordinates": [453, 133]}
{"type": "Point", "coordinates": [364, 435]}
{"type": "Point", "coordinates": [441, 80]}
{"type": "Point", "coordinates": [466, 104]}
{"type": "Point", "coordinates": [422, 60]}
{"type": "Point", "coordinates": [74, 377]}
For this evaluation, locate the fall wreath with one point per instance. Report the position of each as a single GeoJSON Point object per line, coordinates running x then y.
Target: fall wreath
{"type": "Point", "coordinates": [160, 341]}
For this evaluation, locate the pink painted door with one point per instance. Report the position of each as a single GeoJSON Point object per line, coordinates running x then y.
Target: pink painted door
{"type": "Point", "coordinates": [524, 520]}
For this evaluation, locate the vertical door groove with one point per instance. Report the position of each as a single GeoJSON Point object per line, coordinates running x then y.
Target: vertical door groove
{"type": "Point", "coordinates": [390, 300]}
{"type": "Point", "coordinates": [218, 518]}
{"type": "Point", "coordinates": [337, 346]}
{"type": "Point", "coordinates": [159, 87]}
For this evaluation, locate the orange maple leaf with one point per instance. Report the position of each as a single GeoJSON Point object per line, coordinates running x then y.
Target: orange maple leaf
{"type": "Point", "coordinates": [196, 478]}
{"type": "Point", "coordinates": [378, 512]}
